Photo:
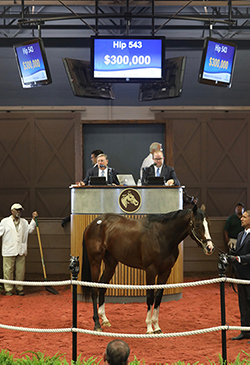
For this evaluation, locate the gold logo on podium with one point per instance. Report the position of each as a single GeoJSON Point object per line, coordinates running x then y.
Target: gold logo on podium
{"type": "Point", "coordinates": [129, 200]}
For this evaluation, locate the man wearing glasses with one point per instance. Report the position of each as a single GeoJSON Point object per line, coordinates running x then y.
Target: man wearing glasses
{"type": "Point", "coordinates": [158, 168]}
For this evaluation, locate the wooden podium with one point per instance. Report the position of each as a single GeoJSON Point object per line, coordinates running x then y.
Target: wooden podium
{"type": "Point", "coordinates": [90, 201]}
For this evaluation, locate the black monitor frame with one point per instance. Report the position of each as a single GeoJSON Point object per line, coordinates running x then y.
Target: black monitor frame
{"type": "Point", "coordinates": [218, 63]}
{"type": "Point", "coordinates": [127, 39]}
{"type": "Point", "coordinates": [79, 76]}
{"type": "Point", "coordinates": [22, 64]}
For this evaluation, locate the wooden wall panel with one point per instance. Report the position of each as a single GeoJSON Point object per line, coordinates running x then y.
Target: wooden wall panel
{"type": "Point", "coordinates": [211, 154]}
{"type": "Point", "coordinates": [37, 161]}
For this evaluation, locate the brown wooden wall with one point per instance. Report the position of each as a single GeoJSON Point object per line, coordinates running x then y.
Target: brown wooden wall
{"type": "Point", "coordinates": [211, 154]}
{"type": "Point", "coordinates": [37, 161]}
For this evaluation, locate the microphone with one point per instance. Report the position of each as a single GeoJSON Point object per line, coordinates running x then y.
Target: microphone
{"type": "Point", "coordinates": [103, 166]}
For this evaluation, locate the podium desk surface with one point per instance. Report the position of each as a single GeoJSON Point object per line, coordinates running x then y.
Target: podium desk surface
{"type": "Point", "coordinates": [125, 199]}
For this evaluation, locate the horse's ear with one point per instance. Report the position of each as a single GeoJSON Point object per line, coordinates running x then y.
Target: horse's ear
{"type": "Point", "coordinates": [194, 209]}
{"type": "Point", "coordinates": [203, 207]}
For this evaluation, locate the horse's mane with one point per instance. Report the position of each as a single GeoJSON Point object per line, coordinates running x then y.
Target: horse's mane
{"type": "Point", "coordinates": [162, 218]}
{"type": "Point", "coordinates": [168, 216]}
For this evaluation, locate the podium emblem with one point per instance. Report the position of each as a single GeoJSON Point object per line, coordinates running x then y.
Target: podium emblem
{"type": "Point", "coordinates": [129, 200]}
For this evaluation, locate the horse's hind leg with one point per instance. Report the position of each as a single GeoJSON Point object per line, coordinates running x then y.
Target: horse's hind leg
{"type": "Point", "coordinates": [110, 265]}
{"type": "Point", "coordinates": [95, 312]}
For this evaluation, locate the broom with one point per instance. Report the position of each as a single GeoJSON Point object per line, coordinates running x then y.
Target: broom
{"type": "Point", "coordinates": [48, 288]}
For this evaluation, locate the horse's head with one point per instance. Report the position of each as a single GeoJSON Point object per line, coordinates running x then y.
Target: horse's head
{"type": "Point", "coordinates": [199, 229]}
{"type": "Point", "coordinates": [132, 199]}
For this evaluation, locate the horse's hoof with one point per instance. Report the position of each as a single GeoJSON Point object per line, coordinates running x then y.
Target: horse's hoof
{"type": "Point", "coordinates": [157, 332]}
{"type": "Point", "coordinates": [106, 324]}
{"type": "Point", "coordinates": [98, 329]}
{"type": "Point", "coordinates": [149, 333]}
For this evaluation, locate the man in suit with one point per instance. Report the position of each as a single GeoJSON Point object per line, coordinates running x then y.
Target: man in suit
{"type": "Point", "coordinates": [158, 168]}
{"type": "Point", "coordinates": [101, 169]}
{"type": "Point", "coordinates": [241, 262]}
{"type": "Point", "coordinates": [155, 146]}
{"type": "Point", "coordinates": [93, 156]}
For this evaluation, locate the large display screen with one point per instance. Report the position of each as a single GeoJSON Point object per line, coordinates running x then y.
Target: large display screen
{"type": "Point", "coordinates": [127, 59]}
{"type": "Point", "coordinates": [217, 63]}
{"type": "Point", "coordinates": [32, 63]}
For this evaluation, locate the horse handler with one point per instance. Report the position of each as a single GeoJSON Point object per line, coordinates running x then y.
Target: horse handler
{"type": "Point", "coordinates": [15, 230]}
{"type": "Point", "coordinates": [241, 261]}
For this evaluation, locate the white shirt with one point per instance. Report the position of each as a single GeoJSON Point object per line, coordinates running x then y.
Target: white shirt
{"type": "Point", "coordinates": [14, 242]}
{"type": "Point", "coordinates": [105, 173]}
{"type": "Point", "coordinates": [156, 168]}
{"type": "Point", "coordinates": [148, 161]}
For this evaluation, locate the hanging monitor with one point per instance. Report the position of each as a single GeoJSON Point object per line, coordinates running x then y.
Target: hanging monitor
{"type": "Point", "coordinates": [32, 63]}
{"type": "Point", "coordinates": [217, 63]}
{"type": "Point", "coordinates": [171, 86]}
{"type": "Point", "coordinates": [127, 59]}
{"type": "Point", "coordinates": [78, 73]}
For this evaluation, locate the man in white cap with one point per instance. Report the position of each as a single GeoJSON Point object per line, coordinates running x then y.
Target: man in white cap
{"type": "Point", "coordinates": [15, 230]}
{"type": "Point", "coordinates": [148, 161]}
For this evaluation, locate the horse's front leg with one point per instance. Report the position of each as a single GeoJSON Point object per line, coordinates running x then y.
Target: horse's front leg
{"type": "Point", "coordinates": [162, 279]}
{"type": "Point", "coordinates": [156, 310]}
{"type": "Point", "coordinates": [150, 302]}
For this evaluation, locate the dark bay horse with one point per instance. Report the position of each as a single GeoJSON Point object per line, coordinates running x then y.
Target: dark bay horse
{"type": "Point", "coordinates": [150, 243]}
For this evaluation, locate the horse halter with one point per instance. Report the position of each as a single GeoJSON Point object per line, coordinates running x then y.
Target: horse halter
{"type": "Point", "coordinates": [201, 241]}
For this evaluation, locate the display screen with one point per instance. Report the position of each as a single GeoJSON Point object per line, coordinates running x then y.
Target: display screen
{"type": "Point", "coordinates": [78, 72]}
{"type": "Point", "coordinates": [217, 63]}
{"type": "Point", "coordinates": [128, 59]}
{"type": "Point", "coordinates": [32, 63]}
{"type": "Point", "coordinates": [171, 86]}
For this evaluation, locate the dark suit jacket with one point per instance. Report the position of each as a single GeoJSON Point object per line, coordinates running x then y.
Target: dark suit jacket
{"type": "Point", "coordinates": [167, 172]}
{"type": "Point", "coordinates": [112, 175]}
{"type": "Point", "coordinates": [243, 251]}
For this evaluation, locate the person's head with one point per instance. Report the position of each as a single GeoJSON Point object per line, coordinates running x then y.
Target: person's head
{"type": "Point", "coordinates": [158, 158]}
{"type": "Point", "coordinates": [102, 161]}
{"type": "Point", "coordinates": [245, 219]}
{"type": "Point", "coordinates": [94, 155]}
{"type": "Point", "coordinates": [16, 210]}
{"type": "Point", "coordinates": [155, 146]}
{"type": "Point", "coordinates": [239, 209]}
{"type": "Point", "coordinates": [117, 353]}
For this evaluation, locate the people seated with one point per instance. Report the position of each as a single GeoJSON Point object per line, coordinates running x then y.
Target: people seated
{"type": "Point", "coordinates": [155, 146]}
{"type": "Point", "coordinates": [158, 168]}
{"type": "Point", "coordinates": [102, 170]}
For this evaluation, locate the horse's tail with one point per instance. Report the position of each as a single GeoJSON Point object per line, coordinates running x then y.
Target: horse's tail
{"type": "Point", "coordinates": [86, 271]}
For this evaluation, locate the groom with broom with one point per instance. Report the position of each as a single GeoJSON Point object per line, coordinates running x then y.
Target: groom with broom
{"type": "Point", "coordinates": [14, 231]}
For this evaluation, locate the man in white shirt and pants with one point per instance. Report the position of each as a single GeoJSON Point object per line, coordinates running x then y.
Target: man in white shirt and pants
{"type": "Point", "coordinates": [14, 231]}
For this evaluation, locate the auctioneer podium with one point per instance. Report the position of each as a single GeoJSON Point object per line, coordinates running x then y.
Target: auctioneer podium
{"type": "Point", "coordinates": [134, 202]}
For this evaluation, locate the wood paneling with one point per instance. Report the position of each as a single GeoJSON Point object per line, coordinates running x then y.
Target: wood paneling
{"type": "Point", "coordinates": [37, 162]}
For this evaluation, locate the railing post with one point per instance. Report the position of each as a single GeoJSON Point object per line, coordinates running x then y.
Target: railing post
{"type": "Point", "coordinates": [74, 267]}
{"type": "Point", "coordinates": [222, 265]}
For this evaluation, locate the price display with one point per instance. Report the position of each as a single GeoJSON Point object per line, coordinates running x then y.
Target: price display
{"type": "Point", "coordinates": [127, 58]}
{"type": "Point", "coordinates": [219, 62]}
{"type": "Point", "coordinates": [31, 63]}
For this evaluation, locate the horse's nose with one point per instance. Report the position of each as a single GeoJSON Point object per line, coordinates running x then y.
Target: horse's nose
{"type": "Point", "coordinates": [210, 248]}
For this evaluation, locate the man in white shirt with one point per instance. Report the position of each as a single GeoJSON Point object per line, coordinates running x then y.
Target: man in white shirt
{"type": "Point", "coordinates": [14, 231]}
{"type": "Point", "coordinates": [148, 161]}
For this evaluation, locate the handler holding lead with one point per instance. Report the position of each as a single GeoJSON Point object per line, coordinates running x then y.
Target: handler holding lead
{"type": "Point", "coordinates": [15, 230]}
